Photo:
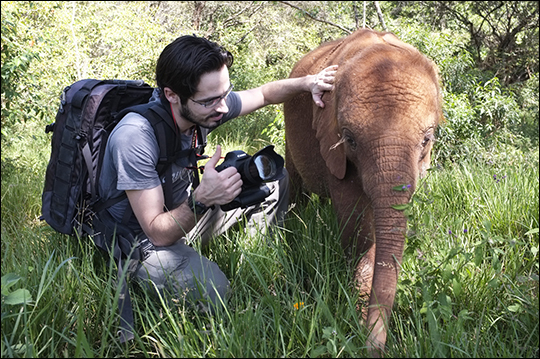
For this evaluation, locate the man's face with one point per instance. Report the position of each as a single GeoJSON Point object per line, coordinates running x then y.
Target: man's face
{"type": "Point", "coordinates": [207, 106]}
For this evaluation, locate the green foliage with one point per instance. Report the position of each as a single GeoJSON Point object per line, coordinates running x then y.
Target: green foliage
{"type": "Point", "coordinates": [19, 296]}
{"type": "Point", "coordinates": [528, 101]}
{"type": "Point", "coordinates": [469, 275]}
{"type": "Point", "coordinates": [487, 249]}
{"type": "Point", "coordinates": [483, 116]}
{"type": "Point", "coordinates": [17, 55]}
{"type": "Point", "coordinates": [48, 45]}
{"type": "Point", "coordinates": [476, 104]}
{"type": "Point", "coordinates": [501, 36]}
{"type": "Point", "coordinates": [469, 281]}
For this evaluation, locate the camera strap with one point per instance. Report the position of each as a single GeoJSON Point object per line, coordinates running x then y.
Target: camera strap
{"type": "Point", "coordinates": [197, 146]}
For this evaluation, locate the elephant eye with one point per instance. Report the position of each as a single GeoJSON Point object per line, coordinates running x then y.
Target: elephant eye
{"type": "Point", "coordinates": [351, 143]}
{"type": "Point", "coordinates": [428, 136]}
{"type": "Point", "coordinates": [349, 139]}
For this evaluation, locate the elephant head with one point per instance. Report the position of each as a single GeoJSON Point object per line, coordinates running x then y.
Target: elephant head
{"type": "Point", "coordinates": [366, 150]}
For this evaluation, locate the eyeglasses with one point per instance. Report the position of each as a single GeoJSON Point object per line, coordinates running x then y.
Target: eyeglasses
{"type": "Point", "coordinates": [214, 101]}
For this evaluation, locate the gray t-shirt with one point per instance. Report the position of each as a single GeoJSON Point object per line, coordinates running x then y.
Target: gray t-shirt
{"type": "Point", "coordinates": [131, 157]}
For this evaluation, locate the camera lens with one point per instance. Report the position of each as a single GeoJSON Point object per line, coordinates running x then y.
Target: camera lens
{"type": "Point", "coordinates": [266, 167]}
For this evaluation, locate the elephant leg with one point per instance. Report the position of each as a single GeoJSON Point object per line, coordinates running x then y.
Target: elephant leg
{"type": "Point", "coordinates": [357, 234]}
{"type": "Point", "coordinates": [363, 278]}
{"type": "Point", "coordinates": [364, 253]}
{"type": "Point", "coordinates": [356, 220]}
{"type": "Point", "coordinates": [295, 180]}
{"type": "Point", "coordinates": [357, 237]}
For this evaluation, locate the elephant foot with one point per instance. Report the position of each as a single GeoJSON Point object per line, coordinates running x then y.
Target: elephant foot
{"type": "Point", "coordinates": [375, 350]}
{"type": "Point", "coordinates": [376, 340]}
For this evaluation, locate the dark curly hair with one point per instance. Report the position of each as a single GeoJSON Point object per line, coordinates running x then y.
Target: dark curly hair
{"type": "Point", "coordinates": [183, 62]}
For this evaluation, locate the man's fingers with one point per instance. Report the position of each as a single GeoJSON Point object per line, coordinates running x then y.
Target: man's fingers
{"type": "Point", "coordinates": [324, 81]}
{"type": "Point", "coordinates": [318, 100]}
{"type": "Point", "coordinates": [328, 75]}
{"type": "Point", "coordinates": [212, 162]}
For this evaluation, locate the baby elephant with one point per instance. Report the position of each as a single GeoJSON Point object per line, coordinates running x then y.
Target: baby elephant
{"type": "Point", "coordinates": [366, 150]}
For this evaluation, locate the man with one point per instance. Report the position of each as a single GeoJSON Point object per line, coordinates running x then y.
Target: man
{"type": "Point", "coordinates": [194, 88]}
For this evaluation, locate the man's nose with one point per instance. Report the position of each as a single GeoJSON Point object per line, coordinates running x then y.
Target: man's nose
{"type": "Point", "coordinates": [222, 106]}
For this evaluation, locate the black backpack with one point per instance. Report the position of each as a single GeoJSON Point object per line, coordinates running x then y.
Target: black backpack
{"type": "Point", "coordinates": [89, 110]}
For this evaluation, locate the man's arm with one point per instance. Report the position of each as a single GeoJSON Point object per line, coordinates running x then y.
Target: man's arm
{"type": "Point", "coordinates": [162, 228]}
{"type": "Point", "coordinates": [165, 228]}
{"type": "Point", "coordinates": [282, 90]}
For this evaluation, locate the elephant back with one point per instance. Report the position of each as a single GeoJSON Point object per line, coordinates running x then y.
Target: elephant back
{"type": "Point", "coordinates": [341, 50]}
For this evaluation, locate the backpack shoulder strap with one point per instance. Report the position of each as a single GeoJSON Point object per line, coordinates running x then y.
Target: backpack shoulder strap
{"type": "Point", "coordinates": [164, 129]}
{"type": "Point", "coordinates": [170, 146]}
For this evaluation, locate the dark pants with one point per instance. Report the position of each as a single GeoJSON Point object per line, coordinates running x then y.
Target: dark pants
{"type": "Point", "coordinates": [180, 273]}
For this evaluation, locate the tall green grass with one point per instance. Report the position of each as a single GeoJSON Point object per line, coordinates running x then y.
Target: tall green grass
{"type": "Point", "coordinates": [468, 285]}
{"type": "Point", "coordinates": [471, 263]}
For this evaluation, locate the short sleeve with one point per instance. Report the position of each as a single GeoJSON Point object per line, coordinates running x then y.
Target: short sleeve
{"type": "Point", "coordinates": [134, 152]}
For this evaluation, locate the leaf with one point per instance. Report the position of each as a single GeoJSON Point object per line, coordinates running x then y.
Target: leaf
{"type": "Point", "coordinates": [478, 256]}
{"type": "Point", "coordinates": [328, 332]}
{"type": "Point", "coordinates": [464, 315]}
{"type": "Point", "coordinates": [532, 231]}
{"type": "Point", "coordinates": [20, 296]}
{"type": "Point", "coordinates": [487, 225]}
{"type": "Point", "coordinates": [9, 280]}
{"type": "Point", "coordinates": [401, 207]}
{"type": "Point", "coordinates": [456, 286]}
{"type": "Point", "coordinates": [318, 351]}
{"type": "Point", "coordinates": [514, 308]}
{"type": "Point", "coordinates": [401, 188]}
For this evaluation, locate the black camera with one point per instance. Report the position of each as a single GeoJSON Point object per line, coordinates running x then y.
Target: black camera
{"type": "Point", "coordinates": [264, 166]}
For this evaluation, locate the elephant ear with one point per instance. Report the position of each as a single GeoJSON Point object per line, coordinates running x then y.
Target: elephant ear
{"type": "Point", "coordinates": [331, 146]}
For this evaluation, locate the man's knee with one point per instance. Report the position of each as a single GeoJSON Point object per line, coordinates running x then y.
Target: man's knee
{"type": "Point", "coordinates": [180, 272]}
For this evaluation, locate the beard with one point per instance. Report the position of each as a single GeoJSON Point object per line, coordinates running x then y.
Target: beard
{"type": "Point", "coordinates": [205, 121]}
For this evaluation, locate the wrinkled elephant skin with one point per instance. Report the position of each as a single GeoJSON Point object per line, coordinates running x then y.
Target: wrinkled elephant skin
{"type": "Point", "coordinates": [375, 133]}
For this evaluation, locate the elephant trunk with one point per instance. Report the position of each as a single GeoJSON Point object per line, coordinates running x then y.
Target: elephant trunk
{"type": "Point", "coordinates": [390, 225]}
{"type": "Point", "coordinates": [385, 186]}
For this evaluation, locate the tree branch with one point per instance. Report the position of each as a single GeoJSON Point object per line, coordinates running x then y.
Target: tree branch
{"type": "Point", "coordinates": [75, 45]}
{"type": "Point", "coordinates": [355, 14]}
{"type": "Point", "coordinates": [364, 23]}
{"type": "Point", "coordinates": [314, 18]}
{"type": "Point", "coordinates": [379, 12]}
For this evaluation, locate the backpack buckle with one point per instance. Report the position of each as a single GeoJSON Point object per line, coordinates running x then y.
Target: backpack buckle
{"type": "Point", "coordinates": [145, 248]}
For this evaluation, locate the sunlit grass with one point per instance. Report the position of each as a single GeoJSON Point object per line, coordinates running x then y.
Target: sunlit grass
{"type": "Point", "coordinates": [468, 285]}
{"type": "Point", "coordinates": [470, 270]}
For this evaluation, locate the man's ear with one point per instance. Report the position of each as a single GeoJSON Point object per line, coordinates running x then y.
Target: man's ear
{"type": "Point", "coordinates": [171, 96]}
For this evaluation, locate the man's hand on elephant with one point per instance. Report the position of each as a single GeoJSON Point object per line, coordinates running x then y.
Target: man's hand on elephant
{"type": "Point", "coordinates": [323, 81]}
